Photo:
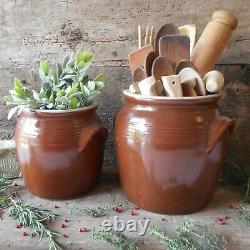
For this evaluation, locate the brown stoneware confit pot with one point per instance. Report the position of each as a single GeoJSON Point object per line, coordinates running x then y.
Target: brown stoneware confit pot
{"type": "Point", "coordinates": [170, 151]}
{"type": "Point", "coordinates": [60, 152]}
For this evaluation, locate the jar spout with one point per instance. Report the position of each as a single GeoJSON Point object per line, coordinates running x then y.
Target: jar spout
{"type": "Point", "coordinates": [218, 128]}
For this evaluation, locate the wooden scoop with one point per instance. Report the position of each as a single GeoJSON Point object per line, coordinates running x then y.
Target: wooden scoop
{"type": "Point", "coordinates": [139, 75]}
{"type": "Point", "coordinates": [166, 29]}
{"type": "Point", "coordinates": [149, 63]}
{"type": "Point", "coordinates": [162, 67]}
{"type": "Point", "coordinates": [172, 85]}
{"type": "Point", "coordinates": [147, 86]}
{"type": "Point", "coordinates": [137, 57]}
{"type": "Point", "coordinates": [188, 74]}
{"type": "Point", "coordinates": [175, 48]}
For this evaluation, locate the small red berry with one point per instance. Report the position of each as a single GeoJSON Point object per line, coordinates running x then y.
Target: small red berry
{"type": "Point", "coordinates": [132, 212]}
{"type": "Point", "coordinates": [57, 206]}
{"type": "Point", "coordinates": [65, 236]}
{"type": "Point", "coordinates": [83, 230]}
{"type": "Point", "coordinates": [19, 225]}
{"type": "Point", "coordinates": [221, 221]}
{"type": "Point", "coordinates": [25, 234]}
{"type": "Point", "coordinates": [63, 226]}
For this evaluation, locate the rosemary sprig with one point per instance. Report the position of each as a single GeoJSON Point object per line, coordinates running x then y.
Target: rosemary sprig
{"type": "Point", "coordinates": [94, 212]}
{"type": "Point", "coordinates": [36, 219]}
{"type": "Point", "coordinates": [191, 235]}
{"type": "Point", "coordinates": [243, 213]}
{"type": "Point", "coordinates": [114, 238]}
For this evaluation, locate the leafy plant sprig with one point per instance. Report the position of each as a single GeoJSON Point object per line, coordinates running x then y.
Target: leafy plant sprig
{"type": "Point", "coordinates": [115, 238]}
{"type": "Point", "coordinates": [65, 86]}
{"type": "Point", "coordinates": [35, 218]}
{"type": "Point", "coordinates": [191, 235]}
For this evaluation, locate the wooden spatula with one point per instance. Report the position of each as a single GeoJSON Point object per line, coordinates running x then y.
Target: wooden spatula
{"type": "Point", "coordinates": [190, 31]}
{"type": "Point", "coordinates": [162, 67]}
{"type": "Point", "coordinates": [147, 86]}
{"type": "Point", "coordinates": [175, 48]}
{"type": "Point", "coordinates": [149, 63]}
{"type": "Point", "coordinates": [139, 75]}
{"type": "Point", "coordinates": [166, 29]}
{"type": "Point", "coordinates": [137, 57]}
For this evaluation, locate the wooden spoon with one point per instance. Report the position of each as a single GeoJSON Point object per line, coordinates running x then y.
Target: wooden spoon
{"type": "Point", "coordinates": [162, 67]}
{"type": "Point", "coordinates": [139, 75]}
{"type": "Point", "coordinates": [184, 64]}
{"type": "Point", "coordinates": [149, 63]}
{"type": "Point", "coordinates": [166, 29]}
{"type": "Point", "coordinates": [175, 48]}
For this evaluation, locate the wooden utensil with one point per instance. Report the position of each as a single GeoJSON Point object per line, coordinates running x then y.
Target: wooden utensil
{"type": "Point", "coordinates": [149, 63]}
{"type": "Point", "coordinates": [139, 75]}
{"type": "Point", "coordinates": [134, 89]}
{"type": "Point", "coordinates": [188, 89]}
{"type": "Point", "coordinates": [147, 87]}
{"type": "Point", "coordinates": [137, 57]}
{"type": "Point", "coordinates": [213, 40]}
{"type": "Point", "coordinates": [188, 74]}
{"type": "Point", "coordinates": [162, 67]}
{"type": "Point", "coordinates": [184, 64]}
{"type": "Point", "coordinates": [175, 48]}
{"type": "Point", "coordinates": [172, 85]}
{"type": "Point", "coordinates": [214, 81]}
{"type": "Point", "coordinates": [166, 29]}
{"type": "Point", "coordinates": [190, 31]}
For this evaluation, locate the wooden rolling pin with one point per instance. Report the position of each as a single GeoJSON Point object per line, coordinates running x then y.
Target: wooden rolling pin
{"type": "Point", "coordinates": [213, 40]}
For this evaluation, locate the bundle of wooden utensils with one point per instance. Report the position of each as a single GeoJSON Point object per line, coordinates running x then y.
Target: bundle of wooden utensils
{"type": "Point", "coordinates": [171, 64]}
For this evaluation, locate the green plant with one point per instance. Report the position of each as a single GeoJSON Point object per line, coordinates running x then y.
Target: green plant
{"type": "Point", "coordinates": [65, 86]}
{"type": "Point", "coordinates": [191, 235]}
{"type": "Point", "coordinates": [114, 238]}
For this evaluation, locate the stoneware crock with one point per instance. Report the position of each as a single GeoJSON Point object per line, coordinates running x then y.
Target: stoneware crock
{"type": "Point", "coordinates": [60, 152]}
{"type": "Point", "coordinates": [170, 151]}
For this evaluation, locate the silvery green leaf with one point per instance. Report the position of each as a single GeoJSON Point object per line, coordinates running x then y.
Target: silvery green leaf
{"type": "Point", "coordinates": [99, 85]}
{"type": "Point", "coordinates": [68, 71]}
{"type": "Point", "coordinates": [73, 103]}
{"type": "Point", "coordinates": [100, 78]}
{"type": "Point", "coordinates": [63, 100]}
{"type": "Point", "coordinates": [36, 96]}
{"type": "Point", "coordinates": [44, 66]}
{"type": "Point", "coordinates": [50, 106]}
{"type": "Point", "coordinates": [12, 112]}
{"type": "Point", "coordinates": [20, 110]}
{"type": "Point", "coordinates": [81, 65]}
{"type": "Point", "coordinates": [87, 56]}
{"type": "Point", "coordinates": [86, 91]}
{"type": "Point", "coordinates": [42, 76]}
{"type": "Point", "coordinates": [9, 100]}
{"type": "Point", "coordinates": [91, 85]}
{"type": "Point", "coordinates": [58, 70]}
{"type": "Point", "coordinates": [28, 93]}
{"type": "Point", "coordinates": [65, 61]}
{"type": "Point", "coordinates": [86, 67]}
{"type": "Point", "coordinates": [46, 86]}
{"type": "Point", "coordinates": [60, 107]}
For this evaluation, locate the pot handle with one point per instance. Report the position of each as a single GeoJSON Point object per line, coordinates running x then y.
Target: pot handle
{"type": "Point", "coordinates": [218, 127]}
{"type": "Point", "coordinates": [89, 131]}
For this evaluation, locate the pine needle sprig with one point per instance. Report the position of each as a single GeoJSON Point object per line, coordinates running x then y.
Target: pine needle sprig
{"type": "Point", "coordinates": [243, 213]}
{"type": "Point", "coordinates": [35, 219]}
{"type": "Point", "coordinates": [115, 238]}
{"type": "Point", "coordinates": [191, 235]}
{"type": "Point", "coordinates": [94, 212]}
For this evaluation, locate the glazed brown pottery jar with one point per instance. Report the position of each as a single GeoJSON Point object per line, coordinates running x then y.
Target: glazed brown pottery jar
{"type": "Point", "coordinates": [60, 152]}
{"type": "Point", "coordinates": [170, 151]}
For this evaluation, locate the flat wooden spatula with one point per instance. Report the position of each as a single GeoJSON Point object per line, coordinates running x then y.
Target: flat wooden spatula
{"type": "Point", "coordinates": [175, 48]}
{"type": "Point", "coordinates": [166, 29]}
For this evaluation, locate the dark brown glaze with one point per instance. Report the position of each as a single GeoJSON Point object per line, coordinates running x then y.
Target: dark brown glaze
{"type": "Point", "coordinates": [170, 151]}
{"type": "Point", "coordinates": [60, 153]}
